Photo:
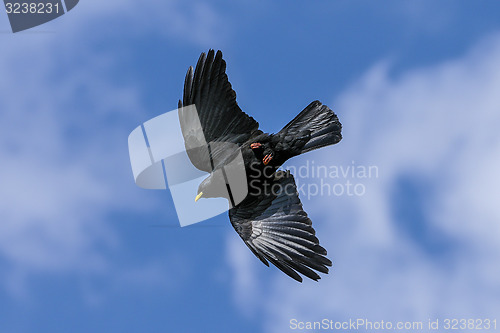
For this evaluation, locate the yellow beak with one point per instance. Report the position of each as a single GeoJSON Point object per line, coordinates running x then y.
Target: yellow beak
{"type": "Point", "coordinates": [198, 196]}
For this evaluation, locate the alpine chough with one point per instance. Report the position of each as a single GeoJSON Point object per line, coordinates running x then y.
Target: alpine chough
{"type": "Point", "coordinates": [269, 216]}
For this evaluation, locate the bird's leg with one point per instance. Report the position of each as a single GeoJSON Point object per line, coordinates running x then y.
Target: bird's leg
{"type": "Point", "coordinates": [255, 145]}
{"type": "Point", "coordinates": [267, 159]}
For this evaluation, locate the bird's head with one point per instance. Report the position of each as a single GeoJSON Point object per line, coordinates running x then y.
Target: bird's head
{"type": "Point", "coordinates": [213, 186]}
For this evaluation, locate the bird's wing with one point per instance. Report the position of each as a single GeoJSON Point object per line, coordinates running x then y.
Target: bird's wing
{"type": "Point", "coordinates": [277, 229]}
{"type": "Point", "coordinates": [220, 117]}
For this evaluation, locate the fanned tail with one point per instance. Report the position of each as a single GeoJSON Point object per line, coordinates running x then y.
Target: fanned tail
{"type": "Point", "coordinates": [320, 122]}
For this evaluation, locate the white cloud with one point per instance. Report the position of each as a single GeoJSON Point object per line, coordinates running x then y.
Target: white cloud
{"type": "Point", "coordinates": [437, 124]}
{"type": "Point", "coordinates": [63, 133]}
{"type": "Point", "coordinates": [244, 278]}
{"type": "Point", "coordinates": [55, 192]}
{"type": "Point", "coordinates": [195, 22]}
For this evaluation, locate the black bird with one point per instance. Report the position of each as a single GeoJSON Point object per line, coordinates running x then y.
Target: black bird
{"type": "Point", "coordinates": [269, 215]}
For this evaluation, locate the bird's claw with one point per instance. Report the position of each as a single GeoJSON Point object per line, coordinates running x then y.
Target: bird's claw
{"type": "Point", "coordinates": [267, 159]}
{"type": "Point", "coordinates": [255, 145]}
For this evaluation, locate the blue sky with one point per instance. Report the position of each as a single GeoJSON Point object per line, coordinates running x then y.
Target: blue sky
{"type": "Point", "coordinates": [82, 248]}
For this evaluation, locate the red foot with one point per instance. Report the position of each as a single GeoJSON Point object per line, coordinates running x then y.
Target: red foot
{"type": "Point", "coordinates": [255, 145]}
{"type": "Point", "coordinates": [267, 159]}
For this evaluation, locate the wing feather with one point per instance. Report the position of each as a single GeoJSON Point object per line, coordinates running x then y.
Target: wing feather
{"type": "Point", "coordinates": [277, 230]}
{"type": "Point", "coordinates": [220, 117]}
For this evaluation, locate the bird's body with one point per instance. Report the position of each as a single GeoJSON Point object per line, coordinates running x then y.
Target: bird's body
{"type": "Point", "coordinates": [269, 216]}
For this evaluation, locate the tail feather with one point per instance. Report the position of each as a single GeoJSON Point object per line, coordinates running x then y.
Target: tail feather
{"type": "Point", "coordinates": [320, 122]}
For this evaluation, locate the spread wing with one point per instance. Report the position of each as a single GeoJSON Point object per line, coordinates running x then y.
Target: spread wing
{"type": "Point", "coordinates": [221, 119]}
{"type": "Point", "coordinates": [277, 229]}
